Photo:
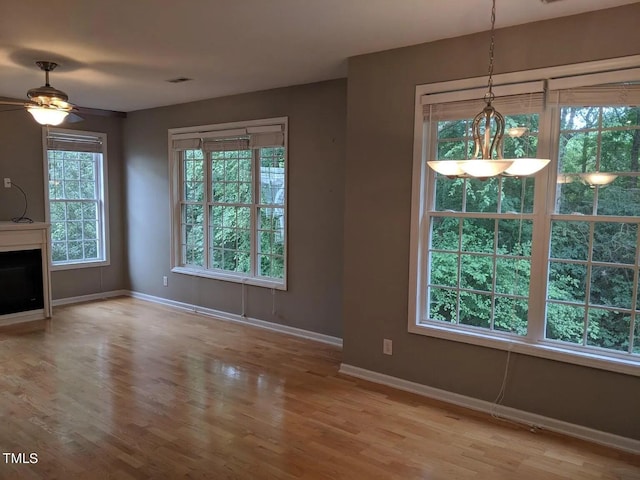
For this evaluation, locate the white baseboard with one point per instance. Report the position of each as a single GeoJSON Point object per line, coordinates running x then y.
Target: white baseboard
{"type": "Point", "coordinates": [233, 317]}
{"type": "Point", "coordinates": [22, 317]}
{"type": "Point", "coordinates": [520, 416]}
{"type": "Point", "coordinates": [90, 298]}
{"type": "Point", "coordinates": [297, 332]}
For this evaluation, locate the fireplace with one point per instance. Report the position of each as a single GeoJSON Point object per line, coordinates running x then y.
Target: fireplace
{"type": "Point", "coordinates": [25, 292]}
{"type": "Point", "coordinates": [21, 281]}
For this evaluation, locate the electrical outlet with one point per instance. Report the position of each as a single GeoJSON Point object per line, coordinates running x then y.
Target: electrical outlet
{"type": "Point", "coordinates": [7, 182]}
{"type": "Point", "coordinates": [165, 281]}
{"type": "Point", "coordinates": [387, 346]}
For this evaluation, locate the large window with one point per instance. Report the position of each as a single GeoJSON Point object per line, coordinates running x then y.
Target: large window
{"type": "Point", "coordinates": [548, 264]}
{"type": "Point", "coordinates": [229, 200]}
{"type": "Point", "coordinates": [480, 231]}
{"type": "Point", "coordinates": [76, 167]}
{"type": "Point", "coordinates": [593, 269]}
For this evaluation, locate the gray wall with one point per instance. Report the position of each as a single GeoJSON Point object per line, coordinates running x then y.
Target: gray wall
{"type": "Point", "coordinates": [380, 115]}
{"type": "Point", "coordinates": [317, 128]}
{"type": "Point", "coordinates": [21, 159]}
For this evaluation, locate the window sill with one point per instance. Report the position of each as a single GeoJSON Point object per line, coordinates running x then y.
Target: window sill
{"type": "Point", "coordinates": [230, 277]}
{"type": "Point", "coordinates": [73, 266]}
{"type": "Point", "coordinates": [549, 350]}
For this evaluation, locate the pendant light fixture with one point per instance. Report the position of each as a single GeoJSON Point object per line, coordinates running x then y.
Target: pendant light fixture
{"type": "Point", "coordinates": [488, 129]}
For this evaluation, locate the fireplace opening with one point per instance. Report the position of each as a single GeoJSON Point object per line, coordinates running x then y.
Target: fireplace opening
{"type": "Point", "coordinates": [21, 281]}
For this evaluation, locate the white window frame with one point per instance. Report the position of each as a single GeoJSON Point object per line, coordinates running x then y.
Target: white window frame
{"type": "Point", "coordinates": [534, 343]}
{"type": "Point", "coordinates": [102, 194]}
{"type": "Point", "coordinates": [175, 175]}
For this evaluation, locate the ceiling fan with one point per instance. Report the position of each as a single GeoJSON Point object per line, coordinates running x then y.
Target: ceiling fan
{"type": "Point", "coordinates": [48, 105]}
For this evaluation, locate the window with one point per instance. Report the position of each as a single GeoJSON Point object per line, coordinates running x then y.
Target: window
{"type": "Point", "coordinates": [547, 265]}
{"type": "Point", "coordinates": [229, 201]}
{"type": "Point", "coordinates": [76, 197]}
{"type": "Point", "coordinates": [592, 297]}
{"type": "Point", "coordinates": [480, 231]}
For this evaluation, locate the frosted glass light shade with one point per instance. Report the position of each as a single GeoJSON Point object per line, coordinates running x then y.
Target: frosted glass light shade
{"type": "Point", "coordinates": [48, 115]}
{"type": "Point", "coordinates": [450, 168]}
{"type": "Point", "coordinates": [515, 132]}
{"type": "Point", "coordinates": [599, 178]}
{"type": "Point", "coordinates": [523, 167]}
{"type": "Point", "coordinates": [485, 168]}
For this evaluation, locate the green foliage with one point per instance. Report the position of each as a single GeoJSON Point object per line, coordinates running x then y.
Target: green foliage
{"type": "Point", "coordinates": [73, 205]}
{"type": "Point", "coordinates": [230, 213]}
{"type": "Point", "coordinates": [476, 280]}
{"type": "Point", "coordinates": [508, 262]}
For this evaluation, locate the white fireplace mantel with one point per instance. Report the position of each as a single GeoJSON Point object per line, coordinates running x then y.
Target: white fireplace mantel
{"type": "Point", "coordinates": [28, 236]}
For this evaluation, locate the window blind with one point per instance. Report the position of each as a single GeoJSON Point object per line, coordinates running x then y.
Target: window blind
{"type": "Point", "coordinates": [233, 139]}
{"type": "Point", "coordinates": [509, 99]}
{"type": "Point", "coordinates": [186, 144]}
{"type": "Point", "coordinates": [266, 139]}
{"type": "Point", "coordinates": [226, 144]}
{"type": "Point", "coordinates": [603, 95]}
{"type": "Point", "coordinates": [509, 105]}
{"type": "Point", "coordinates": [74, 143]}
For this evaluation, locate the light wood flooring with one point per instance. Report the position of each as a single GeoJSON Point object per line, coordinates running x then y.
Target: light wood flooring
{"type": "Point", "coordinates": [128, 389]}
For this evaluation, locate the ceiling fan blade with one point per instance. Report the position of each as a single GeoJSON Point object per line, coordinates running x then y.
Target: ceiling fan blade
{"type": "Point", "coordinates": [13, 101]}
{"type": "Point", "coordinates": [73, 118]}
{"type": "Point", "coordinates": [2, 110]}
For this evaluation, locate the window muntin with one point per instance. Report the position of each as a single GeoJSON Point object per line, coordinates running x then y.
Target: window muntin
{"type": "Point", "coordinates": [76, 200]}
{"type": "Point", "coordinates": [592, 293]}
{"type": "Point", "coordinates": [232, 206]}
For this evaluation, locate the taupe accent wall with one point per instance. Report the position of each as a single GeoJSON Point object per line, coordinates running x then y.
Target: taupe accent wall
{"type": "Point", "coordinates": [22, 160]}
{"type": "Point", "coordinates": [380, 116]}
{"type": "Point", "coordinates": [316, 156]}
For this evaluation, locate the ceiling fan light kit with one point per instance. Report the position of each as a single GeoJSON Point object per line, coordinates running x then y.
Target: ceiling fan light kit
{"type": "Point", "coordinates": [48, 115]}
{"type": "Point", "coordinates": [51, 107]}
{"type": "Point", "coordinates": [47, 105]}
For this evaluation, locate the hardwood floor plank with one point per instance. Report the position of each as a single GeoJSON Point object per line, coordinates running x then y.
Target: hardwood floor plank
{"type": "Point", "coordinates": [126, 389]}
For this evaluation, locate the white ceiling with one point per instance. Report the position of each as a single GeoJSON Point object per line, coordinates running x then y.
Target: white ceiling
{"type": "Point", "coordinates": [118, 54]}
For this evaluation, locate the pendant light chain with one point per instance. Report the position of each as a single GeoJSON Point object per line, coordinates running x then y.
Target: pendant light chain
{"type": "Point", "coordinates": [490, 96]}
{"type": "Point", "coordinates": [487, 131]}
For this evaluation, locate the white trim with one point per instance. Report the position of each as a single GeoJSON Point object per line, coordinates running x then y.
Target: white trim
{"type": "Point", "coordinates": [22, 317]}
{"type": "Point", "coordinates": [531, 419]}
{"type": "Point", "coordinates": [80, 264]}
{"type": "Point", "coordinates": [230, 277]}
{"type": "Point", "coordinates": [233, 317]}
{"type": "Point", "coordinates": [91, 297]}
